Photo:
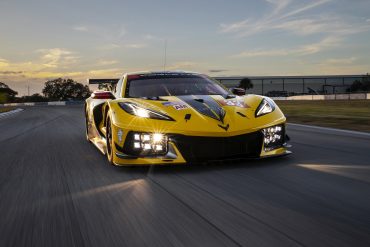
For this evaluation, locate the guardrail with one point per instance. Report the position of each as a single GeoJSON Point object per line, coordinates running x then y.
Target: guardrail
{"type": "Point", "coordinates": [354, 96]}
{"type": "Point", "coordinates": [53, 103]}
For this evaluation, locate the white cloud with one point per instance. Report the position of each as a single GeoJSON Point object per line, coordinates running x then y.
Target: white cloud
{"type": "Point", "coordinates": [279, 5]}
{"type": "Point", "coordinates": [368, 20]}
{"type": "Point", "coordinates": [105, 72]}
{"type": "Point", "coordinates": [3, 62]}
{"type": "Point", "coordinates": [182, 65]}
{"type": "Point", "coordinates": [53, 58]}
{"type": "Point", "coordinates": [135, 46]}
{"type": "Point", "coordinates": [109, 46]}
{"type": "Point", "coordinates": [306, 7]}
{"type": "Point", "coordinates": [152, 37]}
{"type": "Point", "coordinates": [308, 49]}
{"type": "Point", "coordinates": [106, 62]}
{"type": "Point", "coordinates": [81, 28]}
{"type": "Point", "coordinates": [287, 16]}
{"type": "Point", "coordinates": [339, 61]}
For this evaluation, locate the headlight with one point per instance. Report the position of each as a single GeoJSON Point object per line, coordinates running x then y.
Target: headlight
{"type": "Point", "coordinates": [266, 106]}
{"type": "Point", "coordinates": [139, 111]}
{"type": "Point", "coordinates": [274, 137]}
{"type": "Point", "coordinates": [146, 144]}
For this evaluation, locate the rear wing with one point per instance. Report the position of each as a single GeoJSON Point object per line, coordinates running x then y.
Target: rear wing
{"type": "Point", "coordinates": [104, 84]}
{"type": "Point", "coordinates": [103, 81]}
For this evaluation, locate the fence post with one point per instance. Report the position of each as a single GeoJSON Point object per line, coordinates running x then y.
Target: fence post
{"type": "Point", "coordinates": [262, 86]}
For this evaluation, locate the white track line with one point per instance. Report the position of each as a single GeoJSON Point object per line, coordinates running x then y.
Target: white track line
{"type": "Point", "coordinates": [5, 114]}
{"type": "Point", "coordinates": [352, 132]}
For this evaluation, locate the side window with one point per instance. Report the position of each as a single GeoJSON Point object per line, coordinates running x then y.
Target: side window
{"type": "Point", "coordinates": [117, 90]}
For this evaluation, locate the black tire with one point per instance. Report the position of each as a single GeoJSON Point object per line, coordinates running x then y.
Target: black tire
{"type": "Point", "coordinates": [87, 127]}
{"type": "Point", "coordinates": [109, 139]}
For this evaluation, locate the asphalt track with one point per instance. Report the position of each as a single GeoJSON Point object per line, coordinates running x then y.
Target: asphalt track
{"type": "Point", "coordinates": [56, 189]}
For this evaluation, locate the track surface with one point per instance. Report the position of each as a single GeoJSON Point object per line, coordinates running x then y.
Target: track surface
{"type": "Point", "coordinates": [56, 189]}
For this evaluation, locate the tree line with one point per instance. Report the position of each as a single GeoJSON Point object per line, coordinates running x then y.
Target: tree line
{"type": "Point", "coordinates": [54, 90]}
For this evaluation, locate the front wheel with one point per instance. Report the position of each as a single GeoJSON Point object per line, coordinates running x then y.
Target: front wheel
{"type": "Point", "coordinates": [87, 126]}
{"type": "Point", "coordinates": [109, 140]}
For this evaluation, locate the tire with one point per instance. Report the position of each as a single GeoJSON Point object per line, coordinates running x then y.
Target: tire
{"type": "Point", "coordinates": [87, 127]}
{"type": "Point", "coordinates": [109, 140]}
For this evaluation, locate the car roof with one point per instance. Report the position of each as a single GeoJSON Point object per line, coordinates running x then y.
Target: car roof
{"type": "Point", "coordinates": [163, 72]}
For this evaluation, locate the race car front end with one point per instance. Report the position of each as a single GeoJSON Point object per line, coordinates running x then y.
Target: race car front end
{"type": "Point", "coordinates": [182, 134]}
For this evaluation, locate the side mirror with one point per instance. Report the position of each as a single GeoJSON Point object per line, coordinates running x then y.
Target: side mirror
{"type": "Point", "coordinates": [102, 95]}
{"type": "Point", "coordinates": [238, 91]}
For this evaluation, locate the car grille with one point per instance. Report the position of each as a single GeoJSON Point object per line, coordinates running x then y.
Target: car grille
{"type": "Point", "coordinates": [195, 148]}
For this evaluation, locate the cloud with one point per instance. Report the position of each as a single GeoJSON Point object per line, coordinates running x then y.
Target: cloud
{"type": "Point", "coordinates": [287, 16]}
{"type": "Point", "coordinates": [279, 5]}
{"type": "Point", "coordinates": [135, 46]}
{"type": "Point", "coordinates": [3, 63]}
{"type": "Point", "coordinates": [349, 65]}
{"type": "Point", "coordinates": [308, 49]}
{"type": "Point", "coordinates": [339, 61]}
{"type": "Point", "coordinates": [52, 58]}
{"type": "Point", "coordinates": [50, 63]}
{"type": "Point", "coordinates": [81, 28]}
{"type": "Point", "coordinates": [217, 70]}
{"type": "Point", "coordinates": [106, 62]}
{"type": "Point", "coordinates": [152, 37]}
{"type": "Point", "coordinates": [306, 7]}
{"type": "Point", "coordinates": [111, 46]}
{"type": "Point", "coordinates": [182, 65]}
{"type": "Point", "coordinates": [368, 20]}
{"type": "Point", "coordinates": [51, 74]}
{"type": "Point", "coordinates": [11, 72]}
{"type": "Point", "coordinates": [115, 72]}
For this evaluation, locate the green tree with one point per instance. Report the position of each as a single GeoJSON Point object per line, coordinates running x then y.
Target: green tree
{"type": "Point", "coordinates": [361, 85]}
{"type": "Point", "coordinates": [65, 89]}
{"type": "Point", "coordinates": [6, 93]}
{"type": "Point", "coordinates": [246, 84]}
{"type": "Point", "coordinates": [105, 86]}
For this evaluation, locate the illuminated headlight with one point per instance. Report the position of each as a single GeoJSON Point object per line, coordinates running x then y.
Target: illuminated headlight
{"type": "Point", "coordinates": [157, 138]}
{"type": "Point", "coordinates": [146, 144]}
{"type": "Point", "coordinates": [142, 112]}
{"type": "Point", "coordinates": [273, 137]}
{"type": "Point", "coordinates": [266, 106]}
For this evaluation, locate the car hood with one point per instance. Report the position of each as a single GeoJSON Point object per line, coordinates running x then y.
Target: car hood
{"type": "Point", "coordinates": [203, 114]}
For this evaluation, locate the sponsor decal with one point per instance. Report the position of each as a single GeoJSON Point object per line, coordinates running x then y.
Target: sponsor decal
{"type": "Point", "coordinates": [177, 105]}
{"type": "Point", "coordinates": [233, 102]}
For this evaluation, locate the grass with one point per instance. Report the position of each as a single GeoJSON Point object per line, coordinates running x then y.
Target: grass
{"type": "Point", "coordinates": [5, 109]}
{"type": "Point", "coordinates": [342, 114]}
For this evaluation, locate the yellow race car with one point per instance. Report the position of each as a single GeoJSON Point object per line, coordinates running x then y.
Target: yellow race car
{"type": "Point", "coordinates": [151, 118]}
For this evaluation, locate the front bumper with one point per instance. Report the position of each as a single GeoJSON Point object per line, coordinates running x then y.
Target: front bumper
{"type": "Point", "coordinates": [189, 149]}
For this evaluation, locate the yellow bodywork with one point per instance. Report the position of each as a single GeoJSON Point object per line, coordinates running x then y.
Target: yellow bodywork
{"type": "Point", "coordinates": [240, 117]}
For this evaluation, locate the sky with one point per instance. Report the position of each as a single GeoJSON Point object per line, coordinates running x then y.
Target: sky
{"type": "Point", "coordinates": [46, 39]}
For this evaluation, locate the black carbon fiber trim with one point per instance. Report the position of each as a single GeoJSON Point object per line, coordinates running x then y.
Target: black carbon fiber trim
{"type": "Point", "coordinates": [205, 105]}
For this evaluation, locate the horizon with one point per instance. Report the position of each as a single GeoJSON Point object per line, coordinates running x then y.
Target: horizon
{"type": "Point", "coordinates": [45, 40]}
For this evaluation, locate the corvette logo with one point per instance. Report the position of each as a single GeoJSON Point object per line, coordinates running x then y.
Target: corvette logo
{"type": "Point", "coordinates": [224, 127]}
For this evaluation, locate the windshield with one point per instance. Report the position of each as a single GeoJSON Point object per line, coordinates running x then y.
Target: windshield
{"type": "Point", "coordinates": [156, 86]}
